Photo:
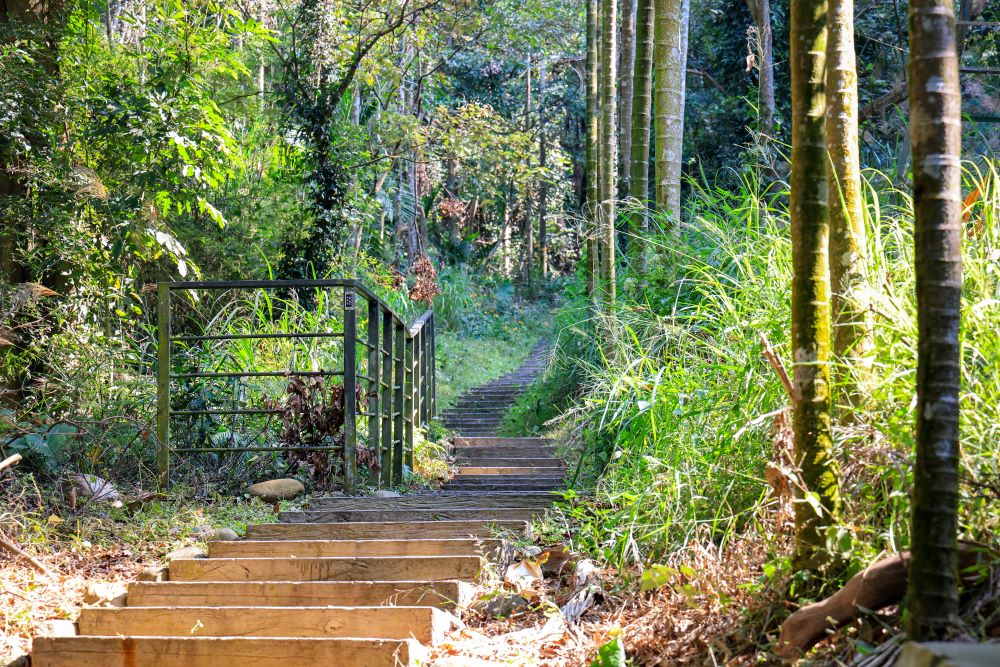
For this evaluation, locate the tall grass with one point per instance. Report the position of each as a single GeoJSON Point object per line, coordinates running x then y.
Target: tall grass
{"type": "Point", "coordinates": [679, 409]}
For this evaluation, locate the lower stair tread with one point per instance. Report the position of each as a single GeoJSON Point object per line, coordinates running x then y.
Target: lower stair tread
{"type": "Point", "coordinates": [99, 651]}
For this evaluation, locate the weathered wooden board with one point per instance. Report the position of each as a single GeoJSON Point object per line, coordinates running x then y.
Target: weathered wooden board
{"type": "Point", "coordinates": [222, 652]}
{"type": "Point", "coordinates": [506, 470]}
{"type": "Point", "coordinates": [351, 548]}
{"type": "Point", "coordinates": [468, 501]}
{"type": "Point", "coordinates": [366, 531]}
{"type": "Point", "coordinates": [442, 594]}
{"type": "Point", "coordinates": [440, 514]}
{"type": "Point", "coordinates": [488, 441]}
{"type": "Point", "coordinates": [427, 625]}
{"type": "Point", "coordinates": [399, 568]}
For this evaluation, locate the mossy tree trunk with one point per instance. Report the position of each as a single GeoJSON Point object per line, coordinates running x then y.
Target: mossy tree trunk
{"type": "Point", "coordinates": [592, 145]}
{"type": "Point", "coordinates": [761, 12]}
{"type": "Point", "coordinates": [642, 91]}
{"type": "Point", "coordinates": [819, 504]}
{"type": "Point", "coordinates": [670, 67]}
{"type": "Point", "coordinates": [935, 139]}
{"type": "Point", "coordinates": [853, 325]}
{"type": "Point", "coordinates": [543, 183]}
{"type": "Point", "coordinates": [608, 153]}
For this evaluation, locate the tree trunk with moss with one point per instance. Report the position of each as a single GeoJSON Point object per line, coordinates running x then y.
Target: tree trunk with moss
{"type": "Point", "coordinates": [935, 139]}
{"type": "Point", "coordinates": [670, 67]}
{"type": "Point", "coordinates": [819, 502]}
{"type": "Point", "coordinates": [592, 146]}
{"type": "Point", "coordinates": [642, 91]}
{"type": "Point", "coordinates": [608, 142]}
{"type": "Point", "coordinates": [761, 12]}
{"type": "Point", "coordinates": [853, 325]}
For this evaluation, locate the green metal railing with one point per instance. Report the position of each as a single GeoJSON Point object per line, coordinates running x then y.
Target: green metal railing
{"type": "Point", "coordinates": [394, 362]}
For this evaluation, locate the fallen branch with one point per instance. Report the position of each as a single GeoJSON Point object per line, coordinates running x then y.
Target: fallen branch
{"type": "Point", "coordinates": [10, 460]}
{"type": "Point", "coordinates": [34, 562]}
{"type": "Point", "coordinates": [878, 586]}
{"type": "Point", "coordinates": [779, 367]}
{"type": "Point", "coordinates": [880, 105]}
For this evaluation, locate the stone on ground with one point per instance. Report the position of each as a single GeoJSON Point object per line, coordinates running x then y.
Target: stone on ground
{"type": "Point", "coordinates": [277, 489]}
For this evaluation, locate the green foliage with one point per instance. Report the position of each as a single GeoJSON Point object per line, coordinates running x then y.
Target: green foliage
{"type": "Point", "coordinates": [677, 416]}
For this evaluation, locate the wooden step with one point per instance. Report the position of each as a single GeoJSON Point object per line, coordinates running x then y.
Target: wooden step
{"type": "Point", "coordinates": [485, 501]}
{"type": "Point", "coordinates": [427, 625]}
{"type": "Point", "coordinates": [445, 594]}
{"type": "Point", "coordinates": [505, 470]}
{"type": "Point", "coordinates": [541, 485]}
{"type": "Point", "coordinates": [507, 462]}
{"type": "Point", "coordinates": [373, 568]}
{"type": "Point", "coordinates": [443, 514]}
{"type": "Point", "coordinates": [508, 451]}
{"type": "Point", "coordinates": [466, 441]}
{"type": "Point", "coordinates": [350, 548]}
{"type": "Point", "coordinates": [222, 652]}
{"type": "Point", "coordinates": [368, 531]}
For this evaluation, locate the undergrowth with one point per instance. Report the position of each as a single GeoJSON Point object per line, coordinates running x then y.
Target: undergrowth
{"type": "Point", "coordinates": [678, 414]}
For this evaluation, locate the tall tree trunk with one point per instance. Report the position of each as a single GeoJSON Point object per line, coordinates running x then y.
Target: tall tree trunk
{"type": "Point", "coordinates": [641, 116]}
{"type": "Point", "coordinates": [626, 60]}
{"type": "Point", "coordinates": [670, 58]}
{"type": "Point", "coordinates": [935, 137]}
{"type": "Point", "coordinates": [853, 326]}
{"type": "Point", "coordinates": [811, 285]}
{"type": "Point", "coordinates": [543, 184]}
{"type": "Point", "coordinates": [451, 186]}
{"type": "Point", "coordinates": [592, 147]}
{"type": "Point", "coordinates": [608, 158]}
{"type": "Point", "coordinates": [761, 12]}
{"type": "Point", "coordinates": [528, 227]}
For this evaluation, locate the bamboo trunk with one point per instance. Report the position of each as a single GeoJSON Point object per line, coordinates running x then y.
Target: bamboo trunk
{"type": "Point", "coordinates": [670, 66]}
{"type": "Point", "coordinates": [935, 137]}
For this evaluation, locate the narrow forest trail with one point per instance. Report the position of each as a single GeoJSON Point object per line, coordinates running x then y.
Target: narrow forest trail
{"type": "Point", "coordinates": [357, 582]}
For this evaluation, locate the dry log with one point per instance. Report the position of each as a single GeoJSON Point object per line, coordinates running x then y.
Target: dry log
{"type": "Point", "coordinates": [878, 586]}
{"type": "Point", "coordinates": [10, 460]}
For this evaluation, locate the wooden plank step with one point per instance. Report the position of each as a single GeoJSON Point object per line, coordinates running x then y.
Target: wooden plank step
{"type": "Point", "coordinates": [506, 451]}
{"type": "Point", "coordinates": [543, 485]}
{"type": "Point", "coordinates": [222, 652]}
{"type": "Point", "coordinates": [373, 516]}
{"type": "Point", "coordinates": [505, 470]}
{"type": "Point", "coordinates": [367, 531]}
{"type": "Point", "coordinates": [486, 500]}
{"type": "Point", "coordinates": [444, 594]}
{"type": "Point", "coordinates": [518, 462]}
{"type": "Point", "coordinates": [350, 548]}
{"type": "Point", "coordinates": [394, 568]}
{"type": "Point", "coordinates": [467, 441]}
{"type": "Point", "coordinates": [427, 625]}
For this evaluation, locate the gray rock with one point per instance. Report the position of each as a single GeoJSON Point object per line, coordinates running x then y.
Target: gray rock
{"type": "Point", "coordinates": [276, 489]}
{"type": "Point", "coordinates": [106, 594]}
{"type": "Point", "coordinates": [503, 604]}
{"type": "Point", "coordinates": [381, 493]}
{"type": "Point", "coordinates": [56, 628]}
{"type": "Point", "coordinates": [185, 552]}
{"type": "Point", "coordinates": [949, 654]}
{"type": "Point", "coordinates": [208, 534]}
{"type": "Point", "coordinates": [154, 573]}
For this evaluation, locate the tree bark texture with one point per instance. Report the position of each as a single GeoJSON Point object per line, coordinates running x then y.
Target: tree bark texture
{"type": "Point", "coordinates": [543, 185]}
{"type": "Point", "coordinates": [935, 139]}
{"type": "Point", "coordinates": [642, 91]}
{"type": "Point", "coordinates": [814, 455]}
{"type": "Point", "coordinates": [608, 158]}
{"type": "Point", "coordinates": [761, 12]}
{"type": "Point", "coordinates": [853, 322]}
{"type": "Point", "coordinates": [592, 147]}
{"type": "Point", "coordinates": [626, 60]}
{"type": "Point", "coordinates": [670, 68]}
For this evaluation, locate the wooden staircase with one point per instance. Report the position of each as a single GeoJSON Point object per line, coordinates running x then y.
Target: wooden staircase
{"type": "Point", "coordinates": [349, 581]}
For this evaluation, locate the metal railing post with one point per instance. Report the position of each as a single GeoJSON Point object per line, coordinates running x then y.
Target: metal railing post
{"type": "Point", "coordinates": [350, 395]}
{"type": "Point", "coordinates": [386, 391]}
{"type": "Point", "coordinates": [163, 385]}
{"type": "Point", "coordinates": [374, 379]}
{"type": "Point", "coordinates": [433, 366]}
{"type": "Point", "coordinates": [408, 411]}
{"type": "Point", "coordinates": [399, 404]}
{"type": "Point", "coordinates": [418, 372]}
